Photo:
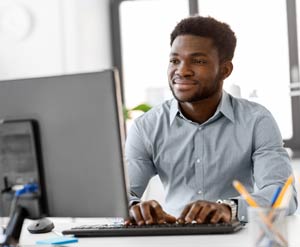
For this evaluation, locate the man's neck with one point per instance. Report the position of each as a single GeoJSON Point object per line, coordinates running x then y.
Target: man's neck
{"type": "Point", "coordinates": [201, 111]}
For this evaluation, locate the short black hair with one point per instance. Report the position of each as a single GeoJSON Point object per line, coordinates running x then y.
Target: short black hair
{"type": "Point", "coordinates": [221, 34]}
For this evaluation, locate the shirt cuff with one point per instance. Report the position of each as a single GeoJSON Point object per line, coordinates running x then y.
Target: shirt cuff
{"type": "Point", "coordinates": [133, 199]}
{"type": "Point", "coordinates": [131, 203]}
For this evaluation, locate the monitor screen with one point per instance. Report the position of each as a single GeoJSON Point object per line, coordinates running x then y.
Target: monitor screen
{"type": "Point", "coordinates": [81, 134]}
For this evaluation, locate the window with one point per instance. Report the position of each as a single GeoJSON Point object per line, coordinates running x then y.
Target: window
{"type": "Point", "coordinates": [261, 62]}
{"type": "Point", "coordinates": [145, 33]}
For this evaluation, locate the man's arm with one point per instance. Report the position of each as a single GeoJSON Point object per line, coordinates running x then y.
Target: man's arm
{"type": "Point", "coordinates": [139, 164]}
{"type": "Point", "coordinates": [271, 165]}
{"type": "Point", "coordinates": [140, 170]}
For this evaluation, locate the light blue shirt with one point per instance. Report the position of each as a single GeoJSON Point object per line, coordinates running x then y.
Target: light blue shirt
{"type": "Point", "coordinates": [199, 161]}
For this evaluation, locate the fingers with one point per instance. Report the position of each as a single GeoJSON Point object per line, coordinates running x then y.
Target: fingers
{"type": "Point", "coordinates": [208, 209]}
{"type": "Point", "coordinates": [127, 221]}
{"type": "Point", "coordinates": [190, 212]}
{"type": "Point", "coordinates": [169, 218]}
{"type": "Point", "coordinates": [205, 212]}
{"type": "Point", "coordinates": [181, 218]}
{"type": "Point", "coordinates": [217, 217]}
{"type": "Point", "coordinates": [224, 214]}
{"type": "Point", "coordinates": [136, 215]}
{"type": "Point", "coordinates": [220, 216]}
{"type": "Point", "coordinates": [148, 212]}
{"type": "Point", "coordinates": [158, 212]}
{"type": "Point", "coordinates": [193, 212]}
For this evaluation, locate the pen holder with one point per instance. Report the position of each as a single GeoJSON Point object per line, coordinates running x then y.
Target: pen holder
{"type": "Point", "coordinates": [267, 227]}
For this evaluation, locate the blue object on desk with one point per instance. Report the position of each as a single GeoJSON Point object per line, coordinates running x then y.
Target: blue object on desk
{"type": "Point", "coordinates": [58, 240]}
{"type": "Point", "coordinates": [28, 188]}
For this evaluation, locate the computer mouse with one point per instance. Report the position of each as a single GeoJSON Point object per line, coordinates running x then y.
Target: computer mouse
{"type": "Point", "coordinates": [43, 225]}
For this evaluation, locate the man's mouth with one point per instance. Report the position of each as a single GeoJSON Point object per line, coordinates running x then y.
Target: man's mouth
{"type": "Point", "coordinates": [183, 84]}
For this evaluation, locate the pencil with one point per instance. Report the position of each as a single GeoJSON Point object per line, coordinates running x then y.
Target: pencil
{"type": "Point", "coordinates": [242, 190]}
{"type": "Point", "coordinates": [283, 191]}
{"type": "Point", "coordinates": [274, 198]}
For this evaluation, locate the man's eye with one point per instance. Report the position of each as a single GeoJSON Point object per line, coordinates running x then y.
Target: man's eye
{"type": "Point", "coordinates": [174, 61]}
{"type": "Point", "coordinates": [199, 61]}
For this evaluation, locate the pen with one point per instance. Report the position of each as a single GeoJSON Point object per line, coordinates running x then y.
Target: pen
{"type": "Point", "coordinates": [283, 191]}
{"type": "Point", "coordinates": [275, 196]}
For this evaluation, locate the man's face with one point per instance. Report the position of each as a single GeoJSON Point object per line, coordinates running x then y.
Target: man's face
{"type": "Point", "coordinates": [194, 69]}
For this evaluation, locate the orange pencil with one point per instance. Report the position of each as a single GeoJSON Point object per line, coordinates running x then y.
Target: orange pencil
{"type": "Point", "coordinates": [283, 191]}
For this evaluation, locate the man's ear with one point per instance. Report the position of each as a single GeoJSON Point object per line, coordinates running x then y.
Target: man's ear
{"type": "Point", "coordinates": [226, 69]}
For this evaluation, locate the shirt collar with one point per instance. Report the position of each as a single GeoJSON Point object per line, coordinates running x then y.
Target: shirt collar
{"type": "Point", "coordinates": [224, 107]}
{"type": "Point", "coordinates": [174, 110]}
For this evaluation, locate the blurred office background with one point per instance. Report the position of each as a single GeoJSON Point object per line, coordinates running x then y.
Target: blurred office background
{"type": "Point", "coordinates": [47, 37]}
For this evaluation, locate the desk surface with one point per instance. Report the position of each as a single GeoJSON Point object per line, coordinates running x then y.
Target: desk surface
{"type": "Point", "coordinates": [239, 239]}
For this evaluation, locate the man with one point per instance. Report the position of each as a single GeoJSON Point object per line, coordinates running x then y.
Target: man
{"type": "Point", "coordinates": [202, 140]}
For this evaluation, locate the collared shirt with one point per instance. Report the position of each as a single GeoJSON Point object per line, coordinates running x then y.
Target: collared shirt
{"type": "Point", "coordinates": [241, 141]}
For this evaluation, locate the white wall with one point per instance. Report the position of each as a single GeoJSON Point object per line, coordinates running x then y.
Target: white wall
{"type": "Point", "coordinates": [47, 37]}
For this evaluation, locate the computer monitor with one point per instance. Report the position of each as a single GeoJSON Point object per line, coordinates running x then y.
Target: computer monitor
{"type": "Point", "coordinates": [81, 128]}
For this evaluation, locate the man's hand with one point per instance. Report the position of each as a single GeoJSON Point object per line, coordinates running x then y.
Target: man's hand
{"type": "Point", "coordinates": [205, 212]}
{"type": "Point", "coordinates": [148, 212]}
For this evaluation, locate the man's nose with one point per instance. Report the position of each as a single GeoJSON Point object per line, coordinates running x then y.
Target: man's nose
{"type": "Point", "coordinates": [184, 69]}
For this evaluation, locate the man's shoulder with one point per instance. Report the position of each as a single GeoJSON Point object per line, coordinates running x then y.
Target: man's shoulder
{"type": "Point", "coordinates": [247, 108]}
{"type": "Point", "coordinates": [159, 112]}
{"type": "Point", "coordinates": [151, 124]}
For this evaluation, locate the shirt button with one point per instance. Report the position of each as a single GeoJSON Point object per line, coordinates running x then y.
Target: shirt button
{"type": "Point", "coordinates": [198, 160]}
{"type": "Point", "coordinates": [199, 192]}
{"type": "Point", "coordinates": [199, 128]}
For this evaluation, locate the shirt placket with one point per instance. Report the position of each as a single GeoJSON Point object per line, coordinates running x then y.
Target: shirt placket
{"type": "Point", "coordinates": [199, 164]}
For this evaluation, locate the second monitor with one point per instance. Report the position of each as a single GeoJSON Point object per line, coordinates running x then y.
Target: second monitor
{"type": "Point", "coordinates": [82, 135]}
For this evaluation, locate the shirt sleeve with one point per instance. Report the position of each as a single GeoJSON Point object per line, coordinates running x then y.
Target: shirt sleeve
{"type": "Point", "coordinates": [271, 166]}
{"type": "Point", "coordinates": [139, 163]}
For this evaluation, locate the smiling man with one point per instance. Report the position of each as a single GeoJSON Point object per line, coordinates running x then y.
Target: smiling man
{"type": "Point", "coordinates": [204, 138]}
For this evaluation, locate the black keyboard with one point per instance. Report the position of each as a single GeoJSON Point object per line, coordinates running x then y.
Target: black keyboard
{"type": "Point", "coordinates": [153, 230]}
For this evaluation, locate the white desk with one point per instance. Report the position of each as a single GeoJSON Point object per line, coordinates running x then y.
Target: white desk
{"type": "Point", "coordinates": [239, 239]}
